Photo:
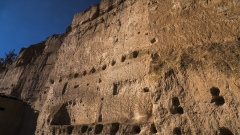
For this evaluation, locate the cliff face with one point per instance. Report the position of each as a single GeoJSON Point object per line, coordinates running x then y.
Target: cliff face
{"type": "Point", "coordinates": [136, 67]}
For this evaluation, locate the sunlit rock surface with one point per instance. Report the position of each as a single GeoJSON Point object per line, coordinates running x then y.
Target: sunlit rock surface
{"type": "Point", "coordinates": [133, 67]}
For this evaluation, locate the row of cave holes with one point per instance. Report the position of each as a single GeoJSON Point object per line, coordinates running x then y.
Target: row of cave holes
{"type": "Point", "coordinates": [222, 130]}
{"type": "Point", "coordinates": [114, 129]}
{"type": "Point", "coordinates": [99, 127]}
{"type": "Point", "coordinates": [136, 129]}
{"type": "Point", "coordinates": [115, 89]}
{"type": "Point", "coordinates": [218, 100]}
{"type": "Point", "coordinates": [76, 86]}
{"type": "Point", "coordinates": [104, 67]}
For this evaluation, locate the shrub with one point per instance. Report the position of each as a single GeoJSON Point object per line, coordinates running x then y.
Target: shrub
{"type": "Point", "coordinates": [9, 58]}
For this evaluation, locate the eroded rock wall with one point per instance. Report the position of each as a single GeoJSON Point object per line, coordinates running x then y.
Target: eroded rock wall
{"type": "Point", "coordinates": [136, 67]}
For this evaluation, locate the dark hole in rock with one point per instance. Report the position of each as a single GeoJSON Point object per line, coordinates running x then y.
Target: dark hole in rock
{"type": "Point", "coordinates": [113, 62]}
{"type": "Point", "coordinates": [154, 57]}
{"type": "Point", "coordinates": [219, 100]}
{"type": "Point", "coordinates": [225, 131]}
{"type": "Point", "coordinates": [76, 75]}
{"type": "Point", "coordinates": [109, 9]}
{"type": "Point", "coordinates": [74, 103]}
{"type": "Point", "coordinates": [214, 91]}
{"type": "Point", "coordinates": [76, 86]}
{"type": "Point", "coordinates": [138, 32]}
{"type": "Point", "coordinates": [177, 131]}
{"type": "Point", "coordinates": [102, 98]}
{"type": "Point", "coordinates": [44, 92]}
{"type": "Point", "coordinates": [52, 81]}
{"type": "Point", "coordinates": [60, 80]}
{"type": "Point", "coordinates": [136, 129]}
{"type": "Point", "coordinates": [123, 58]}
{"type": "Point", "coordinates": [238, 38]}
{"type": "Point", "coordinates": [153, 129]}
{"type": "Point", "coordinates": [84, 73]}
{"type": "Point", "coordinates": [100, 80]}
{"type": "Point", "coordinates": [84, 129]}
{"type": "Point", "coordinates": [153, 40]}
{"type": "Point", "coordinates": [146, 89]}
{"type": "Point", "coordinates": [98, 128]}
{"type": "Point", "coordinates": [104, 67]}
{"type": "Point", "coordinates": [48, 120]}
{"type": "Point", "coordinates": [175, 101]}
{"type": "Point", "coordinates": [61, 117]}
{"type": "Point", "coordinates": [2, 109]}
{"type": "Point", "coordinates": [70, 129]}
{"type": "Point", "coordinates": [93, 70]}
{"type": "Point", "coordinates": [64, 88]}
{"type": "Point", "coordinates": [100, 118]}
{"type": "Point", "coordinates": [135, 54]}
{"type": "Point", "coordinates": [115, 89]}
{"type": "Point", "coordinates": [114, 129]}
{"type": "Point", "coordinates": [70, 76]}
{"type": "Point", "coordinates": [87, 84]}
{"type": "Point", "coordinates": [179, 110]}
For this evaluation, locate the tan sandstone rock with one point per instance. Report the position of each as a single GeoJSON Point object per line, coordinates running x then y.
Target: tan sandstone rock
{"type": "Point", "coordinates": [134, 67]}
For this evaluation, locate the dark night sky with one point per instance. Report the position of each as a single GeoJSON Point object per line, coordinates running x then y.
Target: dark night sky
{"type": "Point", "coordinates": [26, 22]}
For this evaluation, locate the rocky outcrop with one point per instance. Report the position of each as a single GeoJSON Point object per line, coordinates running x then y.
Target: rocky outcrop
{"type": "Point", "coordinates": [136, 67]}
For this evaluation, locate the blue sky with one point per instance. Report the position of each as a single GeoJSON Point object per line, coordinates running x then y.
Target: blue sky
{"type": "Point", "coordinates": [26, 22]}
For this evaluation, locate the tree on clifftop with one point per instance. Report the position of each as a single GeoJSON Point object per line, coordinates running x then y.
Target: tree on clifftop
{"type": "Point", "coordinates": [9, 58]}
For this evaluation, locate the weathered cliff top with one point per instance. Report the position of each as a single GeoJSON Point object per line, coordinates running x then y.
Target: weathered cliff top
{"type": "Point", "coordinates": [135, 67]}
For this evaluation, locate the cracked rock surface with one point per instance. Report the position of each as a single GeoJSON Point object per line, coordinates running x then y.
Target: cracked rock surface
{"type": "Point", "coordinates": [133, 67]}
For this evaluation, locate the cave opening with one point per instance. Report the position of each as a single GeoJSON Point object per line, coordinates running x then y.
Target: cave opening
{"type": "Point", "coordinates": [225, 131]}
{"type": "Point", "coordinates": [2, 109]}
{"type": "Point", "coordinates": [114, 129]}
{"type": "Point", "coordinates": [62, 117]}
{"type": "Point", "coordinates": [177, 131]}
{"type": "Point", "coordinates": [135, 54]}
{"type": "Point", "coordinates": [215, 91]}
{"type": "Point", "coordinates": [136, 129]}
{"type": "Point", "coordinates": [84, 129]}
{"type": "Point", "coordinates": [98, 129]}
{"type": "Point", "coordinates": [18, 115]}
{"type": "Point", "coordinates": [153, 128]}
{"type": "Point", "coordinates": [175, 101]}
